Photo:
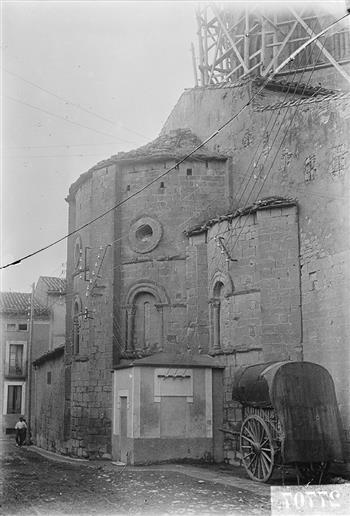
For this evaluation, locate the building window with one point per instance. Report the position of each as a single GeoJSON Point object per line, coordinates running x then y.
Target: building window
{"type": "Point", "coordinates": [23, 327]}
{"type": "Point", "coordinates": [16, 358]}
{"type": "Point", "coordinates": [16, 362]}
{"type": "Point", "coordinates": [49, 378]}
{"type": "Point", "coordinates": [11, 327]}
{"type": "Point", "coordinates": [77, 253]}
{"type": "Point", "coordinates": [14, 399]}
{"type": "Point", "coordinates": [189, 172]}
{"type": "Point", "coordinates": [144, 233]}
{"type": "Point", "coordinates": [217, 315]}
{"type": "Point", "coordinates": [76, 326]}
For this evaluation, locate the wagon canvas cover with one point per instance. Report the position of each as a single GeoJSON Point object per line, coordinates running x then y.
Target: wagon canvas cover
{"type": "Point", "coordinates": [303, 396]}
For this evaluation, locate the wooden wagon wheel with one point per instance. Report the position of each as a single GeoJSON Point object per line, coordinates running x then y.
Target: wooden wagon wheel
{"type": "Point", "coordinates": [257, 448]}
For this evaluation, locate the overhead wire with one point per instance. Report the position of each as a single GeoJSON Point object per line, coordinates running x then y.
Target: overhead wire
{"type": "Point", "coordinates": [286, 109]}
{"type": "Point", "coordinates": [271, 166]}
{"type": "Point", "coordinates": [69, 102]}
{"type": "Point", "coordinates": [198, 147]}
{"type": "Point", "coordinates": [66, 119]}
{"type": "Point", "coordinates": [231, 228]}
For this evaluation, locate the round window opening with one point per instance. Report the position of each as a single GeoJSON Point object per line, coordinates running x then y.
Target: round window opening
{"type": "Point", "coordinates": [144, 233]}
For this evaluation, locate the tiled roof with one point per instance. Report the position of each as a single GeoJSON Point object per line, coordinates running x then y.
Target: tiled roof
{"type": "Point", "coordinates": [55, 284]}
{"type": "Point", "coordinates": [19, 303]}
{"type": "Point", "coordinates": [268, 202]}
{"type": "Point", "coordinates": [175, 145]}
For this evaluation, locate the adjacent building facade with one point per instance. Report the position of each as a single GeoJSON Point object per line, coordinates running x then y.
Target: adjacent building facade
{"type": "Point", "coordinates": [16, 336]}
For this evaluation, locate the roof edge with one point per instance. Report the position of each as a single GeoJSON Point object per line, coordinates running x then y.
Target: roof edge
{"type": "Point", "coordinates": [263, 204]}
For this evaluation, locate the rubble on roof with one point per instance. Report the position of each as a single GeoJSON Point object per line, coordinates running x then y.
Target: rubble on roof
{"type": "Point", "coordinates": [301, 101]}
{"type": "Point", "coordinates": [293, 87]}
{"type": "Point", "coordinates": [267, 202]}
{"type": "Point", "coordinates": [173, 145]}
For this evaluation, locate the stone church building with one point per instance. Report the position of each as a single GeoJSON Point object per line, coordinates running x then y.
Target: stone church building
{"type": "Point", "coordinates": [209, 257]}
{"type": "Point", "coordinates": [195, 275]}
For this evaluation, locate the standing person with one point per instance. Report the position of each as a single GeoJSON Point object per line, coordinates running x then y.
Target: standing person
{"type": "Point", "coordinates": [21, 431]}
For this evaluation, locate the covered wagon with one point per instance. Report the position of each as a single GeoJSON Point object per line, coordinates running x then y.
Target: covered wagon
{"type": "Point", "coordinates": [290, 417]}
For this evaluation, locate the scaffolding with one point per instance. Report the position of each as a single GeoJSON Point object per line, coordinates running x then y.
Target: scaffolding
{"type": "Point", "coordinates": [238, 40]}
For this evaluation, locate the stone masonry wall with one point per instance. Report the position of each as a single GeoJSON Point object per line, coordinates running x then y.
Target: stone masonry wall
{"type": "Point", "coordinates": [260, 298]}
{"type": "Point", "coordinates": [89, 371]}
{"type": "Point", "coordinates": [177, 200]}
{"type": "Point", "coordinates": [299, 150]}
{"type": "Point", "coordinates": [48, 406]}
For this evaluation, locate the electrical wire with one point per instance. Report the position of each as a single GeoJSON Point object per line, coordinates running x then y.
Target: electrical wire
{"type": "Point", "coordinates": [69, 102]}
{"type": "Point", "coordinates": [65, 119]}
{"type": "Point", "coordinates": [174, 167]}
{"type": "Point", "coordinates": [274, 159]}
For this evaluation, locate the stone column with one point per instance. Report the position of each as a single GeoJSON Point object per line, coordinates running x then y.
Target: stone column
{"type": "Point", "coordinates": [130, 314]}
{"type": "Point", "coordinates": [214, 324]}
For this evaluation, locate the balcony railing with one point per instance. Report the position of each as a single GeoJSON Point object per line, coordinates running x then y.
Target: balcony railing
{"type": "Point", "coordinates": [16, 371]}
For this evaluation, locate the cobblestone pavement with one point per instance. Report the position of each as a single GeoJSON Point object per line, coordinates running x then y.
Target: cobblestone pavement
{"type": "Point", "coordinates": [35, 484]}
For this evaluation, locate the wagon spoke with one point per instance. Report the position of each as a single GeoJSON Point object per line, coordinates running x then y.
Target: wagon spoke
{"type": "Point", "coordinates": [257, 448]}
{"type": "Point", "coordinates": [251, 432]}
{"type": "Point", "coordinates": [248, 439]}
{"type": "Point", "coordinates": [251, 462]}
{"type": "Point", "coordinates": [264, 465]}
{"type": "Point", "coordinates": [266, 456]}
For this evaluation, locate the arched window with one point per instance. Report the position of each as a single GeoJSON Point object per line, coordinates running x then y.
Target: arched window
{"type": "Point", "coordinates": [217, 314]}
{"type": "Point", "coordinates": [146, 327]}
{"type": "Point", "coordinates": [76, 325]}
{"type": "Point", "coordinates": [144, 321]}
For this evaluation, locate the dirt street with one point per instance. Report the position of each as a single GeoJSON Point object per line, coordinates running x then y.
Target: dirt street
{"type": "Point", "coordinates": [33, 484]}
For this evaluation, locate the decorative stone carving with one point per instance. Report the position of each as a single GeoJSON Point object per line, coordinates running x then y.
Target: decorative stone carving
{"type": "Point", "coordinates": [310, 168]}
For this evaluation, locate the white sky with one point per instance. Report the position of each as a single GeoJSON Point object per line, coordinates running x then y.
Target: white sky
{"type": "Point", "coordinates": [127, 62]}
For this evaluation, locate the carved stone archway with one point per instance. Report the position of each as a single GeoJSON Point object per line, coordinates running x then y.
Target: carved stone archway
{"type": "Point", "coordinates": [221, 285]}
{"type": "Point", "coordinates": [155, 297]}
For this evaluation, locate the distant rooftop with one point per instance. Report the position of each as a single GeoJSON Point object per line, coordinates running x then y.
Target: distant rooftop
{"type": "Point", "coordinates": [54, 284]}
{"type": "Point", "coordinates": [19, 303]}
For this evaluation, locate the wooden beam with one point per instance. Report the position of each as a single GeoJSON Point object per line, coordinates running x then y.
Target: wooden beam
{"type": "Point", "coordinates": [227, 34]}
{"type": "Point", "coordinates": [321, 46]}
{"type": "Point", "coordinates": [277, 54]}
{"type": "Point", "coordinates": [215, 55]}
